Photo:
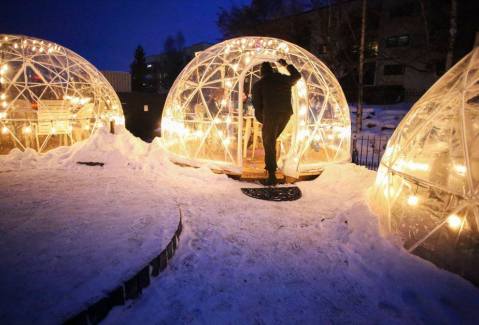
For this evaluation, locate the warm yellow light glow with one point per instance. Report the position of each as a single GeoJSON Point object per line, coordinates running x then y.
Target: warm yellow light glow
{"type": "Point", "coordinates": [460, 169]}
{"type": "Point", "coordinates": [302, 110]}
{"type": "Point", "coordinates": [3, 96]}
{"type": "Point", "coordinates": [454, 221]}
{"type": "Point", "coordinates": [4, 130]}
{"type": "Point", "coordinates": [4, 104]}
{"type": "Point", "coordinates": [53, 130]}
{"type": "Point", "coordinates": [412, 200]}
{"type": "Point", "coordinates": [232, 135]}
{"type": "Point", "coordinates": [27, 130]}
{"type": "Point", "coordinates": [3, 115]}
{"type": "Point", "coordinates": [301, 88]}
{"type": "Point", "coordinates": [4, 69]}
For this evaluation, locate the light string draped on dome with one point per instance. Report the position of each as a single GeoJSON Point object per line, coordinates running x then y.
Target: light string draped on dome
{"type": "Point", "coordinates": [50, 96]}
{"type": "Point", "coordinates": [208, 118]}
{"type": "Point", "coordinates": [427, 187]}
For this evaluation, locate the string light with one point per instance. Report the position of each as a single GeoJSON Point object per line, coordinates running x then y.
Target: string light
{"type": "Point", "coordinates": [460, 169]}
{"type": "Point", "coordinates": [412, 200]}
{"type": "Point", "coordinates": [454, 221]}
{"type": "Point", "coordinates": [5, 130]}
{"type": "Point", "coordinates": [27, 130]}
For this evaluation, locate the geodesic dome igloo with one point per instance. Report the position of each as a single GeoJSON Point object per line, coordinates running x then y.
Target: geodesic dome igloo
{"type": "Point", "coordinates": [208, 118]}
{"type": "Point", "coordinates": [50, 96]}
{"type": "Point", "coordinates": [427, 186]}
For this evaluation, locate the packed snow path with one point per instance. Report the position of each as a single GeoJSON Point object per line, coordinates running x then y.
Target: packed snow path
{"type": "Point", "coordinates": [316, 260]}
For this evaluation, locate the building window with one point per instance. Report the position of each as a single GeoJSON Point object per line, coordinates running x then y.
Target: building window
{"type": "Point", "coordinates": [372, 49]}
{"type": "Point", "coordinates": [397, 41]}
{"type": "Point", "coordinates": [394, 69]}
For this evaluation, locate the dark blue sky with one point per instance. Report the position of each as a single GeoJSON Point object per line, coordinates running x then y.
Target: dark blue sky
{"type": "Point", "coordinates": [106, 32]}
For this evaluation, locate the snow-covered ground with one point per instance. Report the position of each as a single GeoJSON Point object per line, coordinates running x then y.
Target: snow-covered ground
{"type": "Point", "coordinates": [380, 120]}
{"type": "Point", "coordinates": [316, 260]}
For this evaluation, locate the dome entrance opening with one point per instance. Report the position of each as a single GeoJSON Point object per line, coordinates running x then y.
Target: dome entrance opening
{"type": "Point", "coordinates": [208, 117]}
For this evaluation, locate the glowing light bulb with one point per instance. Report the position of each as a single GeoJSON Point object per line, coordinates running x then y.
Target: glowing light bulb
{"type": "Point", "coordinates": [27, 130]}
{"type": "Point", "coordinates": [4, 104]}
{"type": "Point", "coordinates": [5, 130]}
{"type": "Point", "coordinates": [53, 130]}
{"type": "Point", "coordinates": [3, 115]}
{"type": "Point", "coordinates": [302, 110]}
{"type": "Point", "coordinates": [460, 169]}
{"type": "Point", "coordinates": [454, 221]}
{"type": "Point", "coordinates": [412, 200]}
{"type": "Point", "coordinates": [217, 120]}
{"type": "Point", "coordinates": [235, 67]}
{"type": "Point", "coordinates": [247, 60]}
{"type": "Point", "coordinates": [228, 119]}
{"type": "Point", "coordinates": [3, 96]}
{"type": "Point", "coordinates": [4, 69]}
{"type": "Point", "coordinates": [86, 127]}
{"type": "Point", "coordinates": [228, 83]}
{"type": "Point", "coordinates": [226, 141]}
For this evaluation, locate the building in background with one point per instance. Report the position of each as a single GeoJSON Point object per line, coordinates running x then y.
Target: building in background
{"type": "Point", "coordinates": [142, 110]}
{"type": "Point", "coordinates": [119, 80]}
{"type": "Point", "coordinates": [406, 43]}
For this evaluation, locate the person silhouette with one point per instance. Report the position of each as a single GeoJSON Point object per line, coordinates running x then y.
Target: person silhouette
{"type": "Point", "coordinates": [271, 96]}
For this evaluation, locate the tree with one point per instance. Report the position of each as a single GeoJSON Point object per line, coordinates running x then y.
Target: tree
{"type": "Point", "coordinates": [452, 34]}
{"type": "Point", "coordinates": [359, 108]}
{"type": "Point", "coordinates": [174, 59]}
{"type": "Point", "coordinates": [244, 20]}
{"type": "Point", "coordinates": [138, 70]}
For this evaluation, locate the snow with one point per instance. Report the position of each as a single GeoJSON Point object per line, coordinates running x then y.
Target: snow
{"type": "Point", "coordinates": [320, 259]}
{"type": "Point", "coordinates": [380, 120]}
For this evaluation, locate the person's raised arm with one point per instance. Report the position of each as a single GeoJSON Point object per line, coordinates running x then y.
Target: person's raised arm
{"type": "Point", "coordinates": [257, 100]}
{"type": "Point", "coordinates": [294, 74]}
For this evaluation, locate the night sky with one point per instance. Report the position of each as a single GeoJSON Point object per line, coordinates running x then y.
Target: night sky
{"type": "Point", "coordinates": [106, 32]}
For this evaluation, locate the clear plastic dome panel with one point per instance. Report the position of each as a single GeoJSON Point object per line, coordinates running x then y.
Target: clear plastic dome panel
{"type": "Point", "coordinates": [208, 117]}
{"type": "Point", "coordinates": [426, 189]}
{"type": "Point", "coordinates": [50, 96]}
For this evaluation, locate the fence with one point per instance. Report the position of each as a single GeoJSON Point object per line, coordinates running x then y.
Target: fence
{"type": "Point", "coordinates": [367, 150]}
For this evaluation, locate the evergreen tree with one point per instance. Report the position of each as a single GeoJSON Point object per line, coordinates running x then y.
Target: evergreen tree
{"type": "Point", "coordinates": [138, 70]}
{"type": "Point", "coordinates": [174, 59]}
